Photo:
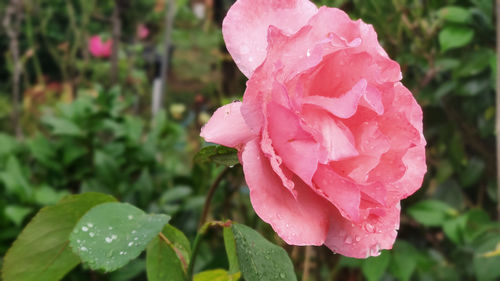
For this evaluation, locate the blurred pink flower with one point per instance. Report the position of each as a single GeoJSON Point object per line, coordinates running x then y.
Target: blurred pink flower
{"type": "Point", "coordinates": [329, 138]}
{"type": "Point", "coordinates": [99, 48]}
{"type": "Point", "coordinates": [142, 31]}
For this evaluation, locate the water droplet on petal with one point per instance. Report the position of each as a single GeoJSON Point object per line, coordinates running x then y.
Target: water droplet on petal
{"type": "Point", "coordinates": [348, 239]}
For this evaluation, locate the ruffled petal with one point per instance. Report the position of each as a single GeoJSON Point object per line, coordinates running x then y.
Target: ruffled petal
{"type": "Point", "coordinates": [299, 151]}
{"type": "Point", "coordinates": [341, 192]}
{"type": "Point", "coordinates": [227, 127]}
{"type": "Point", "coordinates": [344, 106]}
{"type": "Point", "coordinates": [246, 24]}
{"type": "Point", "coordinates": [299, 221]}
{"type": "Point", "coordinates": [336, 139]}
{"type": "Point", "coordinates": [377, 232]}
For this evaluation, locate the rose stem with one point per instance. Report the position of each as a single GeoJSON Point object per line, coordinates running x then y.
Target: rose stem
{"type": "Point", "coordinates": [210, 194]}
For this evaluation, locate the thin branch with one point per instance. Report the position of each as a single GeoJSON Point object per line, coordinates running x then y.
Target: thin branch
{"type": "Point", "coordinates": [307, 263]}
{"type": "Point", "coordinates": [196, 244]}
{"type": "Point", "coordinates": [210, 194]}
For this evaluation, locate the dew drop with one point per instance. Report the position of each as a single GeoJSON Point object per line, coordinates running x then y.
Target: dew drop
{"type": "Point", "coordinates": [114, 236]}
{"type": "Point", "coordinates": [130, 217]}
{"type": "Point", "coordinates": [83, 249]}
{"type": "Point", "coordinates": [130, 244]}
{"type": "Point", "coordinates": [369, 228]}
{"type": "Point", "coordinates": [91, 234]}
{"type": "Point", "coordinates": [85, 229]}
{"type": "Point", "coordinates": [348, 239]}
{"type": "Point", "coordinates": [108, 239]}
{"type": "Point", "coordinates": [358, 238]}
{"type": "Point", "coordinates": [90, 225]}
{"type": "Point", "coordinates": [282, 275]}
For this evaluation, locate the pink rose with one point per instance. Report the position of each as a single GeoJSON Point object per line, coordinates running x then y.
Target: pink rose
{"type": "Point", "coordinates": [99, 48]}
{"type": "Point", "coordinates": [329, 139]}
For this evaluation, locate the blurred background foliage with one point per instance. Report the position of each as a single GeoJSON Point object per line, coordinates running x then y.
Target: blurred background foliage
{"type": "Point", "coordinates": [75, 129]}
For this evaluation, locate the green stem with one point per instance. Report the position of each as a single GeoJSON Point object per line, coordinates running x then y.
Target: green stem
{"type": "Point", "coordinates": [196, 244]}
{"type": "Point", "coordinates": [210, 194]}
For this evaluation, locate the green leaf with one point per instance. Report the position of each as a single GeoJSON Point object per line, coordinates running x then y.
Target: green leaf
{"type": "Point", "coordinates": [455, 14]}
{"type": "Point", "coordinates": [487, 256]}
{"type": "Point", "coordinates": [8, 144]}
{"type": "Point", "coordinates": [259, 259]}
{"type": "Point", "coordinates": [63, 127]}
{"type": "Point", "coordinates": [404, 260]}
{"type": "Point", "coordinates": [217, 275]}
{"type": "Point", "coordinates": [474, 63]}
{"type": "Point", "coordinates": [14, 179]}
{"type": "Point", "coordinates": [230, 246]}
{"type": "Point", "coordinates": [452, 37]}
{"type": "Point", "coordinates": [16, 213]}
{"type": "Point", "coordinates": [43, 244]}
{"type": "Point", "coordinates": [373, 268]}
{"type": "Point", "coordinates": [219, 154]}
{"type": "Point", "coordinates": [454, 228]}
{"type": "Point", "coordinates": [162, 262]}
{"type": "Point", "coordinates": [168, 260]}
{"type": "Point", "coordinates": [110, 235]}
{"type": "Point", "coordinates": [431, 212]}
{"type": "Point", "coordinates": [46, 195]}
{"type": "Point", "coordinates": [180, 242]}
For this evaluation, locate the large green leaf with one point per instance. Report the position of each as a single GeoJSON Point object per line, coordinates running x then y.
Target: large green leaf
{"type": "Point", "coordinates": [230, 245]}
{"type": "Point", "coordinates": [455, 36]}
{"type": "Point", "coordinates": [110, 235]}
{"type": "Point", "coordinates": [162, 262]}
{"type": "Point", "coordinates": [168, 256]}
{"type": "Point", "coordinates": [259, 259]}
{"type": "Point", "coordinates": [41, 251]}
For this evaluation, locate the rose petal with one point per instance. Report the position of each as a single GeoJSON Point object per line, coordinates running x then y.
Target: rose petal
{"type": "Point", "coordinates": [300, 221]}
{"type": "Point", "coordinates": [247, 21]}
{"type": "Point", "coordinates": [227, 127]}
{"type": "Point", "coordinates": [341, 192]}
{"type": "Point", "coordinates": [377, 232]}
{"type": "Point", "coordinates": [334, 137]}
{"type": "Point", "coordinates": [344, 106]}
{"type": "Point", "coordinates": [296, 147]}
{"type": "Point", "coordinates": [414, 161]}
